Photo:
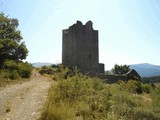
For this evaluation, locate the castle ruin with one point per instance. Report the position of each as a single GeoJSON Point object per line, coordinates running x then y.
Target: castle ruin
{"type": "Point", "coordinates": [80, 48]}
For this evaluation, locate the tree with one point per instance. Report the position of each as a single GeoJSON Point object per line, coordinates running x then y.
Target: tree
{"type": "Point", "coordinates": [11, 46]}
{"type": "Point", "coordinates": [120, 69]}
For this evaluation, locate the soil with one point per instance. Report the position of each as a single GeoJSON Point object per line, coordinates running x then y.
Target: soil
{"type": "Point", "coordinates": [25, 100]}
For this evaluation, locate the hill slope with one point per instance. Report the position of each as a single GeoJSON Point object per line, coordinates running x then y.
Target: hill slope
{"type": "Point", "coordinates": [146, 70]}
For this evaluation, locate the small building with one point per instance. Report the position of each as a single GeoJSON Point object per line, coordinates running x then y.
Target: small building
{"type": "Point", "coordinates": [80, 48]}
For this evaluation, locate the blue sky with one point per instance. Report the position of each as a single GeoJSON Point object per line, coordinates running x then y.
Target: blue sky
{"type": "Point", "coordinates": [129, 30]}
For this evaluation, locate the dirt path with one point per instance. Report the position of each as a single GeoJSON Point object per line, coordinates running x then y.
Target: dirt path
{"type": "Point", "coordinates": [24, 101]}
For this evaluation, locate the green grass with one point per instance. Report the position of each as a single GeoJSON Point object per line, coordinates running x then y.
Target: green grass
{"type": "Point", "coordinates": [85, 98]}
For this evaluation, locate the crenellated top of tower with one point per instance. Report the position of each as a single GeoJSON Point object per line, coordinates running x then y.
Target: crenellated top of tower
{"type": "Point", "coordinates": [79, 24]}
{"type": "Point", "coordinates": [88, 25]}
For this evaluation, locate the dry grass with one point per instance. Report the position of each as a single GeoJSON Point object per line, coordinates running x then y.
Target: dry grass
{"type": "Point", "coordinates": [7, 81]}
{"type": "Point", "coordinates": [4, 82]}
{"type": "Point", "coordinates": [84, 98]}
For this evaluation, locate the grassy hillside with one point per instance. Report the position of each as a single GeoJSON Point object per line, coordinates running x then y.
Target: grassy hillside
{"type": "Point", "coordinates": [84, 98]}
{"type": "Point", "coordinates": [154, 79]}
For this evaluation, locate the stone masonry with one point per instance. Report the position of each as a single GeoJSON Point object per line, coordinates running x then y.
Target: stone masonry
{"type": "Point", "coordinates": [80, 48]}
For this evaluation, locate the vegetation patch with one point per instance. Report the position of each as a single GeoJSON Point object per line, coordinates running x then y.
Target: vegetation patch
{"type": "Point", "coordinates": [15, 70]}
{"type": "Point", "coordinates": [155, 79]}
{"type": "Point", "coordinates": [78, 96]}
{"type": "Point", "coordinates": [12, 52]}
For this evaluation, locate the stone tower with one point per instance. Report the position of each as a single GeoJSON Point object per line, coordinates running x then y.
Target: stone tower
{"type": "Point", "coordinates": [80, 48]}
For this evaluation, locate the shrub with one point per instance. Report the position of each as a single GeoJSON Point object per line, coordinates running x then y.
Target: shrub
{"type": "Point", "coordinates": [82, 96]}
{"type": "Point", "coordinates": [132, 86]}
{"type": "Point", "coordinates": [61, 73]}
{"type": "Point", "coordinates": [10, 65]}
{"type": "Point", "coordinates": [14, 75]}
{"type": "Point", "coordinates": [15, 70]}
{"type": "Point", "coordinates": [54, 65]}
{"type": "Point", "coordinates": [46, 70]}
{"type": "Point", "coordinates": [146, 88]}
{"type": "Point", "coordinates": [25, 69]}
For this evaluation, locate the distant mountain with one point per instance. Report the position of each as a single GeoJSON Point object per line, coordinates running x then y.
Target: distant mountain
{"type": "Point", "coordinates": [146, 70]}
{"type": "Point", "coordinates": [40, 64]}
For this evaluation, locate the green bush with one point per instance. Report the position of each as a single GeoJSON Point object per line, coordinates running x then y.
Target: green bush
{"type": "Point", "coordinates": [57, 73]}
{"type": "Point", "coordinates": [55, 66]}
{"type": "Point", "coordinates": [10, 65]}
{"type": "Point", "coordinates": [15, 70]}
{"type": "Point", "coordinates": [146, 88]}
{"type": "Point", "coordinates": [11, 74]}
{"type": "Point", "coordinates": [14, 74]}
{"type": "Point", "coordinates": [46, 70]}
{"type": "Point", "coordinates": [61, 73]}
{"type": "Point", "coordinates": [25, 69]}
{"type": "Point", "coordinates": [132, 86]}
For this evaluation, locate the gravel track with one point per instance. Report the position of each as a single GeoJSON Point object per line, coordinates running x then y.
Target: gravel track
{"type": "Point", "coordinates": [24, 101]}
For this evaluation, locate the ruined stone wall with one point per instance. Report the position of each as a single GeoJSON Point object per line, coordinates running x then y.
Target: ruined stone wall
{"type": "Point", "coordinates": [113, 78]}
{"type": "Point", "coordinates": [80, 47]}
{"type": "Point", "coordinates": [131, 75]}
